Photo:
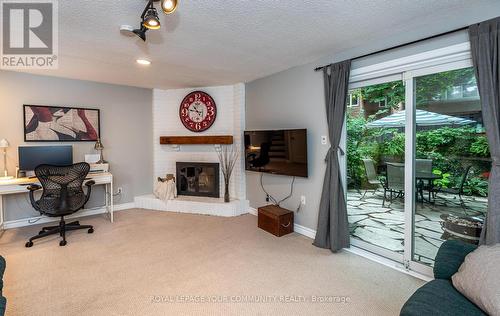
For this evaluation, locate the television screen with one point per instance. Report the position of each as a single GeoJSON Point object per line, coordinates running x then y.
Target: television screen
{"type": "Point", "coordinates": [278, 152]}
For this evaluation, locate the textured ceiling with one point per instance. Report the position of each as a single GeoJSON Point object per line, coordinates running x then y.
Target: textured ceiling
{"type": "Point", "coordinates": [214, 42]}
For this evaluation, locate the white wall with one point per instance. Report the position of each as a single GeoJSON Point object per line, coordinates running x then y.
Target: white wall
{"type": "Point", "coordinates": [290, 99]}
{"type": "Point", "coordinates": [230, 101]}
{"type": "Point", "coordinates": [126, 117]}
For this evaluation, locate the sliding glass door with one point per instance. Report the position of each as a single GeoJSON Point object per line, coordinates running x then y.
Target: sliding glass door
{"type": "Point", "coordinates": [451, 164]}
{"type": "Point", "coordinates": [417, 163]}
{"type": "Point", "coordinates": [375, 171]}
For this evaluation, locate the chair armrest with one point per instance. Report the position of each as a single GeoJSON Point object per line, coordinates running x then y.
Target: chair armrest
{"type": "Point", "coordinates": [90, 183]}
{"type": "Point", "coordinates": [450, 257]}
{"type": "Point", "coordinates": [34, 187]}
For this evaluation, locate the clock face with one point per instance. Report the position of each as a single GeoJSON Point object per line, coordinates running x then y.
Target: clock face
{"type": "Point", "coordinates": [198, 111]}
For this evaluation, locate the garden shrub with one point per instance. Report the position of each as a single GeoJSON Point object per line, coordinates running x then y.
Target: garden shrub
{"type": "Point", "coordinates": [451, 149]}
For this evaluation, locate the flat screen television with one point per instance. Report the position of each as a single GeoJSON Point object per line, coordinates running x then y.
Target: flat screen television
{"type": "Point", "coordinates": [277, 151]}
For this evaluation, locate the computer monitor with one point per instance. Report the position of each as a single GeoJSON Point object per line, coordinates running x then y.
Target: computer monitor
{"type": "Point", "coordinates": [32, 156]}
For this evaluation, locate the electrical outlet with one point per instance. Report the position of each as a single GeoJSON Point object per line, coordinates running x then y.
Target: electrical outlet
{"type": "Point", "coordinates": [120, 190]}
{"type": "Point", "coordinates": [303, 200]}
{"type": "Point", "coordinates": [324, 140]}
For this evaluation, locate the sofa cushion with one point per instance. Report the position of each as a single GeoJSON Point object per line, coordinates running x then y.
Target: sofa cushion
{"type": "Point", "coordinates": [449, 258]}
{"type": "Point", "coordinates": [3, 301]}
{"type": "Point", "coordinates": [439, 297]}
{"type": "Point", "coordinates": [3, 305]}
{"type": "Point", "coordinates": [478, 278]}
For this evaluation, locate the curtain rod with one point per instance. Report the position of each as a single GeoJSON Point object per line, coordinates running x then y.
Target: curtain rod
{"type": "Point", "coordinates": [401, 45]}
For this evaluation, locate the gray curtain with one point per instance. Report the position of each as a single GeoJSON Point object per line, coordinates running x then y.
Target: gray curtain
{"type": "Point", "coordinates": [485, 56]}
{"type": "Point", "coordinates": [333, 226]}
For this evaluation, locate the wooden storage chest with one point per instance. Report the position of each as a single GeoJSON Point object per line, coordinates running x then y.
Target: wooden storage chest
{"type": "Point", "coordinates": [275, 220]}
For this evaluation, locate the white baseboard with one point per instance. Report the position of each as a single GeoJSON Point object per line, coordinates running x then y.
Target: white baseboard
{"type": "Point", "coordinates": [252, 211]}
{"type": "Point", "coordinates": [305, 231]}
{"type": "Point", "coordinates": [45, 219]}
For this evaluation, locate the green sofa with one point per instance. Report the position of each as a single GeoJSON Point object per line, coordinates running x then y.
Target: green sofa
{"type": "Point", "coordinates": [3, 301]}
{"type": "Point", "coordinates": [439, 297]}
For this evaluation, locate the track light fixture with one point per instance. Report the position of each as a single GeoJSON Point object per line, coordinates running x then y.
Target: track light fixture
{"type": "Point", "coordinates": [168, 6]}
{"type": "Point", "coordinates": [141, 32]}
{"type": "Point", "coordinates": [150, 19]}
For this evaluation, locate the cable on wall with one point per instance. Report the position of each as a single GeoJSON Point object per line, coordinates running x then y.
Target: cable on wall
{"type": "Point", "coordinates": [289, 195]}
{"type": "Point", "coordinates": [272, 198]}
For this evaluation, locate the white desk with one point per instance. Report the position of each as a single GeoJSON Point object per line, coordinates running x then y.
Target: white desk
{"type": "Point", "coordinates": [14, 187]}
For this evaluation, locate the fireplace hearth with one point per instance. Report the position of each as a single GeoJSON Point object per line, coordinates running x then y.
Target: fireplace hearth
{"type": "Point", "coordinates": [198, 179]}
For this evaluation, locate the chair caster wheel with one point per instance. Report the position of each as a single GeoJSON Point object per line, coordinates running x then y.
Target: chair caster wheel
{"type": "Point", "coordinates": [62, 243]}
{"type": "Point", "coordinates": [90, 231]}
{"type": "Point", "coordinates": [29, 244]}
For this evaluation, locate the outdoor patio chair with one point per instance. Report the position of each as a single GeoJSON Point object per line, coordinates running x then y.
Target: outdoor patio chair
{"type": "Point", "coordinates": [456, 191]}
{"type": "Point", "coordinates": [423, 166]}
{"type": "Point", "coordinates": [394, 182]}
{"type": "Point", "coordinates": [371, 176]}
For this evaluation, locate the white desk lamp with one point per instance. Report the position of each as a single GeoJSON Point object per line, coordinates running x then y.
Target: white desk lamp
{"type": "Point", "coordinates": [4, 144]}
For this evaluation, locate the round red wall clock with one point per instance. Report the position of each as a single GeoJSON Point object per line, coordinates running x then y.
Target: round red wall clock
{"type": "Point", "coordinates": [198, 111]}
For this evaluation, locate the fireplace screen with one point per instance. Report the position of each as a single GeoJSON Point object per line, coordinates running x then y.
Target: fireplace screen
{"type": "Point", "coordinates": [198, 179]}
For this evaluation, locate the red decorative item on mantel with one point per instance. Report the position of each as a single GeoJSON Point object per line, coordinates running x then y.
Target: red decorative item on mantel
{"type": "Point", "coordinates": [198, 111]}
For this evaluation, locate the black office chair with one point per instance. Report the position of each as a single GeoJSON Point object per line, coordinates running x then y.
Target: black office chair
{"type": "Point", "coordinates": [263, 158]}
{"type": "Point", "coordinates": [62, 195]}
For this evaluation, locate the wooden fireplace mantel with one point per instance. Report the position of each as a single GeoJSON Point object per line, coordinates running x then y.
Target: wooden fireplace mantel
{"type": "Point", "coordinates": [196, 140]}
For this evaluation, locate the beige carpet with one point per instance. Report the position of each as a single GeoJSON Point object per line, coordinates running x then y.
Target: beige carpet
{"type": "Point", "coordinates": [158, 263]}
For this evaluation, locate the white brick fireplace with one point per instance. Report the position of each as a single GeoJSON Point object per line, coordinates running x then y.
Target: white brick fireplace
{"type": "Point", "coordinates": [230, 120]}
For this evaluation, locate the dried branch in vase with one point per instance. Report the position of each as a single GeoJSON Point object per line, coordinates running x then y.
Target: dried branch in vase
{"type": "Point", "coordinates": [228, 156]}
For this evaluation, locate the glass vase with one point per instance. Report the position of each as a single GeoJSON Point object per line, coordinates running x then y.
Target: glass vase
{"type": "Point", "coordinates": [226, 192]}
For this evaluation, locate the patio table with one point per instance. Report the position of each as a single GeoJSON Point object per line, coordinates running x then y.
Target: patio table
{"type": "Point", "coordinates": [429, 177]}
{"type": "Point", "coordinates": [420, 177]}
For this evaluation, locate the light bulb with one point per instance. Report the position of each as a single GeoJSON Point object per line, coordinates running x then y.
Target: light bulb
{"type": "Point", "coordinates": [168, 6]}
{"type": "Point", "coordinates": [143, 62]}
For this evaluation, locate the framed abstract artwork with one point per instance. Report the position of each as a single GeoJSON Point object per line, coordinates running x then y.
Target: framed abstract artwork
{"type": "Point", "coordinates": [60, 124]}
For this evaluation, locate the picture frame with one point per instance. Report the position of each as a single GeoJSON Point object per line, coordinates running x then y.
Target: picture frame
{"type": "Point", "coordinates": [44, 123]}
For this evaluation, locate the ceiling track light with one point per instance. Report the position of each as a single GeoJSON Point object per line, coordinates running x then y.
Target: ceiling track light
{"type": "Point", "coordinates": [150, 19]}
{"type": "Point", "coordinates": [141, 32]}
{"type": "Point", "coordinates": [168, 6]}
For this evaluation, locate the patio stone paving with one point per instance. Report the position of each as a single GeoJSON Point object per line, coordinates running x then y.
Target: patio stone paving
{"type": "Point", "coordinates": [384, 226]}
{"type": "Point", "coordinates": [355, 203]}
{"type": "Point", "coordinates": [369, 222]}
{"type": "Point", "coordinates": [379, 240]}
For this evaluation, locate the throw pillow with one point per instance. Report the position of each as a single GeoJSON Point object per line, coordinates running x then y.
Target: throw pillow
{"type": "Point", "coordinates": [478, 278]}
